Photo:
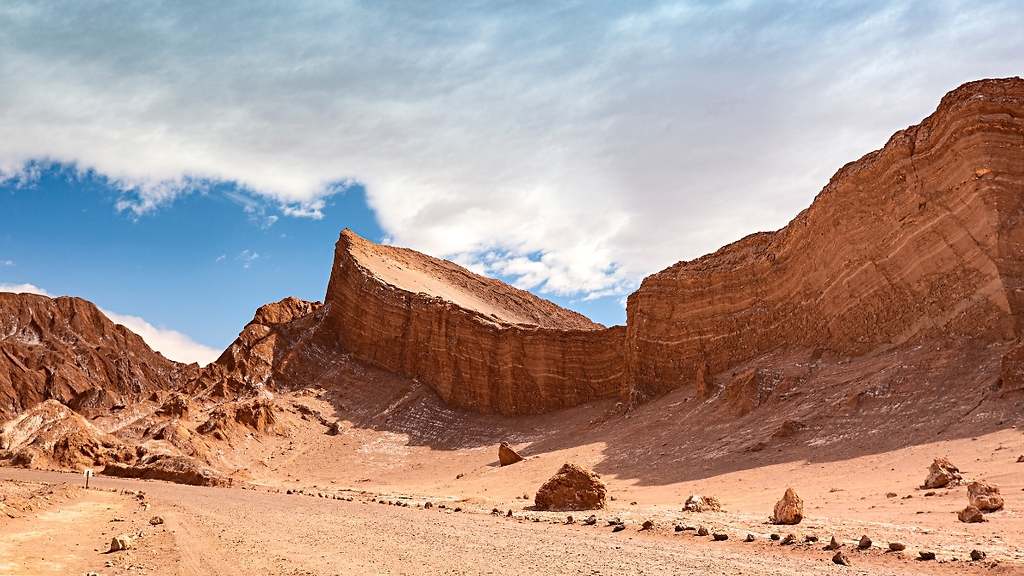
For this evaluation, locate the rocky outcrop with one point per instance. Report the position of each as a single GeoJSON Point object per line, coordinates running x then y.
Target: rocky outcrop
{"type": "Point", "coordinates": [270, 352]}
{"type": "Point", "coordinates": [52, 435]}
{"type": "Point", "coordinates": [179, 469]}
{"type": "Point", "coordinates": [67, 350]}
{"type": "Point", "coordinates": [918, 240]}
{"type": "Point", "coordinates": [479, 343]}
{"type": "Point", "coordinates": [572, 488]}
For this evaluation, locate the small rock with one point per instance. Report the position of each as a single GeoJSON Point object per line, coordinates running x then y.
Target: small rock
{"type": "Point", "coordinates": [121, 542]}
{"type": "Point", "coordinates": [929, 493]}
{"type": "Point", "coordinates": [925, 555]}
{"type": "Point", "coordinates": [749, 538]}
{"type": "Point", "coordinates": [833, 544]}
{"type": "Point", "coordinates": [427, 505]}
{"type": "Point", "coordinates": [890, 495]}
{"type": "Point", "coordinates": [614, 521]}
{"type": "Point", "coordinates": [864, 543]}
{"type": "Point", "coordinates": [679, 528]}
{"type": "Point", "coordinates": [841, 559]}
{"type": "Point", "coordinates": [570, 520]}
{"type": "Point", "coordinates": [647, 525]}
{"type": "Point", "coordinates": [897, 547]}
{"type": "Point", "coordinates": [507, 456]}
{"type": "Point", "coordinates": [156, 521]}
{"type": "Point", "coordinates": [719, 536]}
{"type": "Point", "coordinates": [618, 528]}
{"type": "Point", "coordinates": [1020, 459]}
{"type": "Point", "coordinates": [774, 536]}
{"type": "Point", "coordinates": [509, 513]}
{"type": "Point", "coordinates": [970, 515]}
{"type": "Point", "coordinates": [810, 538]}
{"type": "Point", "coordinates": [698, 503]}
{"type": "Point", "coordinates": [702, 531]}
{"type": "Point", "coordinates": [977, 555]}
{"type": "Point", "coordinates": [789, 539]}
{"type": "Point", "coordinates": [590, 521]}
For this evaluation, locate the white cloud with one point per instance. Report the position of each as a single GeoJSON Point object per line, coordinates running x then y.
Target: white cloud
{"type": "Point", "coordinates": [585, 144]}
{"type": "Point", "coordinates": [23, 289]}
{"type": "Point", "coordinates": [7, 263]}
{"type": "Point", "coordinates": [170, 343]}
{"type": "Point", "coordinates": [247, 257]}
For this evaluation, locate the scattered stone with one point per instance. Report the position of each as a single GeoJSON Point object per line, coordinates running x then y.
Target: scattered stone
{"type": "Point", "coordinates": [679, 528]}
{"type": "Point", "coordinates": [833, 544]}
{"type": "Point", "coordinates": [970, 515]}
{"type": "Point", "coordinates": [864, 543]}
{"type": "Point", "coordinates": [156, 521]}
{"type": "Point", "coordinates": [749, 538]}
{"type": "Point", "coordinates": [614, 521]}
{"type": "Point", "coordinates": [841, 559]}
{"type": "Point", "coordinates": [942, 473]}
{"type": "Point", "coordinates": [890, 495]}
{"type": "Point", "coordinates": [926, 555]}
{"type": "Point", "coordinates": [789, 510]}
{"type": "Point", "coordinates": [702, 531]}
{"type": "Point", "coordinates": [698, 503]}
{"type": "Point", "coordinates": [774, 537]}
{"type": "Point", "coordinates": [810, 538]}
{"type": "Point", "coordinates": [897, 547]}
{"type": "Point", "coordinates": [1020, 459]}
{"type": "Point", "coordinates": [120, 542]}
{"type": "Point", "coordinates": [507, 456]}
{"type": "Point", "coordinates": [789, 539]}
{"type": "Point", "coordinates": [977, 555]}
{"type": "Point", "coordinates": [572, 488]}
{"type": "Point", "coordinates": [570, 520]}
{"type": "Point", "coordinates": [618, 528]}
{"type": "Point", "coordinates": [590, 521]}
{"type": "Point", "coordinates": [930, 493]}
{"type": "Point", "coordinates": [459, 476]}
{"type": "Point", "coordinates": [984, 496]}
{"type": "Point", "coordinates": [427, 505]}
{"type": "Point", "coordinates": [509, 513]}
{"type": "Point", "coordinates": [647, 525]}
{"type": "Point", "coordinates": [719, 536]}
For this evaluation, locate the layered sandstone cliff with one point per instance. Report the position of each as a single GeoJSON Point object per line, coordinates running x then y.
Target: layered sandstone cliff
{"type": "Point", "coordinates": [920, 240]}
{"type": "Point", "coordinates": [66, 349]}
{"type": "Point", "coordinates": [479, 343]}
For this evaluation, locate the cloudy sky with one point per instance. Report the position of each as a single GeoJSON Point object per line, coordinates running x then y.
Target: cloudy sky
{"type": "Point", "coordinates": [569, 147]}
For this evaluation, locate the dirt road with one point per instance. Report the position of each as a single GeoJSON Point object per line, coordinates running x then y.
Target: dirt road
{"type": "Point", "coordinates": [234, 531]}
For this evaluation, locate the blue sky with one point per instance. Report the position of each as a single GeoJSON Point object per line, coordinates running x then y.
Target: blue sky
{"type": "Point", "coordinates": [569, 147]}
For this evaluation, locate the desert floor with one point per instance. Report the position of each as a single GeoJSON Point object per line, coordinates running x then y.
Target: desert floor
{"type": "Point", "coordinates": [264, 530]}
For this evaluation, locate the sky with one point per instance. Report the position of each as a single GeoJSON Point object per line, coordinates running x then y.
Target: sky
{"type": "Point", "coordinates": [182, 163]}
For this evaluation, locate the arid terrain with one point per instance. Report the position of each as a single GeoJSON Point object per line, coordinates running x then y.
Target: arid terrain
{"type": "Point", "coordinates": [869, 356]}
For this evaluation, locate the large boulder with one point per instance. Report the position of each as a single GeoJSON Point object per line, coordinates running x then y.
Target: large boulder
{"type": "Point", "coordinates": [506, 455]}
{"type": "Point", "coordinates": [789, 510]}
{"type": "Point", "coordinates": [941, 474]}
{"type": "Point", "coordinates": [984, 496]}
{"type": "Point", "coordinates": [572, 488]}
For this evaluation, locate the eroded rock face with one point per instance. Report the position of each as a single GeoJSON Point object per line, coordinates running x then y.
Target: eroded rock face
{"type": "Point", "coordinates": [52, 435]}
{"type": "Point", "coordinates": [67, 350]}
{"type": "Point", "coordinates": [917, 240]}
{"type": "Point", "coordinates": [179, 469]}
{"type": "Point", "coordinates": [984, 496]}
{"type": "Point", "coordinates": [572, 488]}
{"type": "Point", "coordinates": [789, 510]}
{"type": "Point", "coordinates": [479, 343]}
{"type": "Point", "coordinates": [941, 474]}
{"type": "Point", "coordinates": [507, 456]}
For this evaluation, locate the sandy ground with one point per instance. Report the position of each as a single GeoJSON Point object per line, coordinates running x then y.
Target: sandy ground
{"type": "Point", "coordinates": [267, 531]}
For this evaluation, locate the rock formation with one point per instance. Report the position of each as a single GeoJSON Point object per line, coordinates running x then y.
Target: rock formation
{"type": "Point", "coordinates": [698, 503]}
{"type": "Point", "coordinates": [917, 240]}
{"type": "Point", "coordinates": [67, 350]}
{"type": "Point", "coordinates": [179, 469]}
{"type": "Point", "coordinates": [984, 496]}
{"type": "Point", "coordinates": [970, 514]}
{"type": "Point", "coordinates": [941, 474]}
{"type": "Point", "coordinates": [52, 435]}
{"type": "Point", "coordinates": [788, 510]}
{"type": "Point", "coordinates": [506, 455]}
{"type": "Point", "coordinates": [479, 343]}
{"type": "Point", "coordinates": [572, 488]}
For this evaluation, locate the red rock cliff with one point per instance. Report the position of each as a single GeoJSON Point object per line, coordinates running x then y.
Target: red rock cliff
{"type": "Point", "coordinates": [923, 238]}
{"type": "Point", "coordinates": [66, 349]}
{"type": "Point", "coordinates": [479, 343]}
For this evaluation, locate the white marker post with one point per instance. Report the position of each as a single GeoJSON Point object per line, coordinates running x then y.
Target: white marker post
{"type": "Point", "coordinates": [88, 474]}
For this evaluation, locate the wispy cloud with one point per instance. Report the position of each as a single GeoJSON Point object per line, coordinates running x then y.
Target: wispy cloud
{"type": "Point", "coordinates": [170, 343]}
{"type": "Point", "coordinates": [7, 263]}
{"type": "Point", "coordinates": [612, 138]}
{"type": "Point", "coordinates": [247, 257]}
